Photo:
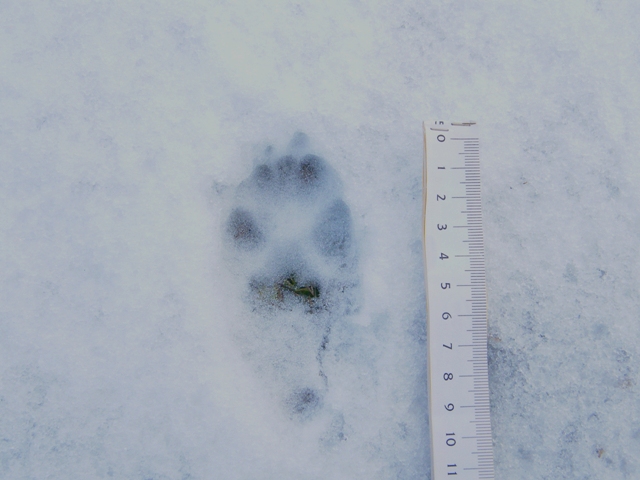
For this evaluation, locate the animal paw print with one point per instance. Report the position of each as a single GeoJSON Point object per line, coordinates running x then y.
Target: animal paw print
{"type": "Point", "coordinates": [292, 231]}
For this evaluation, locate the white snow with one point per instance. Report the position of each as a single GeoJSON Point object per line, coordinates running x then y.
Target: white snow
{"type": "Point", "coordinates": [128, 346]}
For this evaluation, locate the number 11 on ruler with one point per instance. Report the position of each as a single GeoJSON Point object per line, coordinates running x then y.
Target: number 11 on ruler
{"type": "Point", "coordinates": [459, 412]}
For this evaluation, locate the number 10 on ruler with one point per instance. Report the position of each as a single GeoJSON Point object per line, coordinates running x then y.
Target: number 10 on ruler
{"type": "Point", "coordinates": [461, 442]}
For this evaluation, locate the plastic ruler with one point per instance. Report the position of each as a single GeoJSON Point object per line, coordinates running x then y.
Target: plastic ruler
{"type": "Point", "coordinates": [461, 442]}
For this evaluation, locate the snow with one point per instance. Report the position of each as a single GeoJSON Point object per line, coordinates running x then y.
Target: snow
{"type": "Point", "coordinates": [129, 347]}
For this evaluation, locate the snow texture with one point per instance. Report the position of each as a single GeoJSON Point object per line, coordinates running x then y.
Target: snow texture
{"type": "Point", "coordinates": [169, 310]}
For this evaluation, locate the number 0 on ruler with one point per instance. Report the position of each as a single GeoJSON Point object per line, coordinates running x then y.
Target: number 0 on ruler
{"type": "Point", "coordinates": [461, 443]}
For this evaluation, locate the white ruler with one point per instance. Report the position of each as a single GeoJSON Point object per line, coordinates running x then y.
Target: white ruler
{"type": "Point", "coordinates": [461, 442]}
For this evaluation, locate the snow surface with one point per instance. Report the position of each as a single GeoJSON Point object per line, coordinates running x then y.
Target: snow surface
{"type": "Point", "coordinates": [128, 346]}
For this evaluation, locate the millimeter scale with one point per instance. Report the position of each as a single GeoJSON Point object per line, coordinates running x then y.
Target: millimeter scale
{"type": "Point", "coordinates": [461, 442]}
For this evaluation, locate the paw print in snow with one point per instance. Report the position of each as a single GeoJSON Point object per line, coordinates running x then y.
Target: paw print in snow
{"type": "Point", "coordinates": [291, 230]}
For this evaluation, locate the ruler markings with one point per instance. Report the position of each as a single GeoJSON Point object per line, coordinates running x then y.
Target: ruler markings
{"type": "Point", "coordinates": [465, 299]}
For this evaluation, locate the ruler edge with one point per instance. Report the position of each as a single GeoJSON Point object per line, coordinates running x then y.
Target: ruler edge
{"type": "Point", "coordinates": [426, 288]}
{"type": "Point", "coordinates": [424, 243]}
{"type": "Point", "coordinates": [425, 197]}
